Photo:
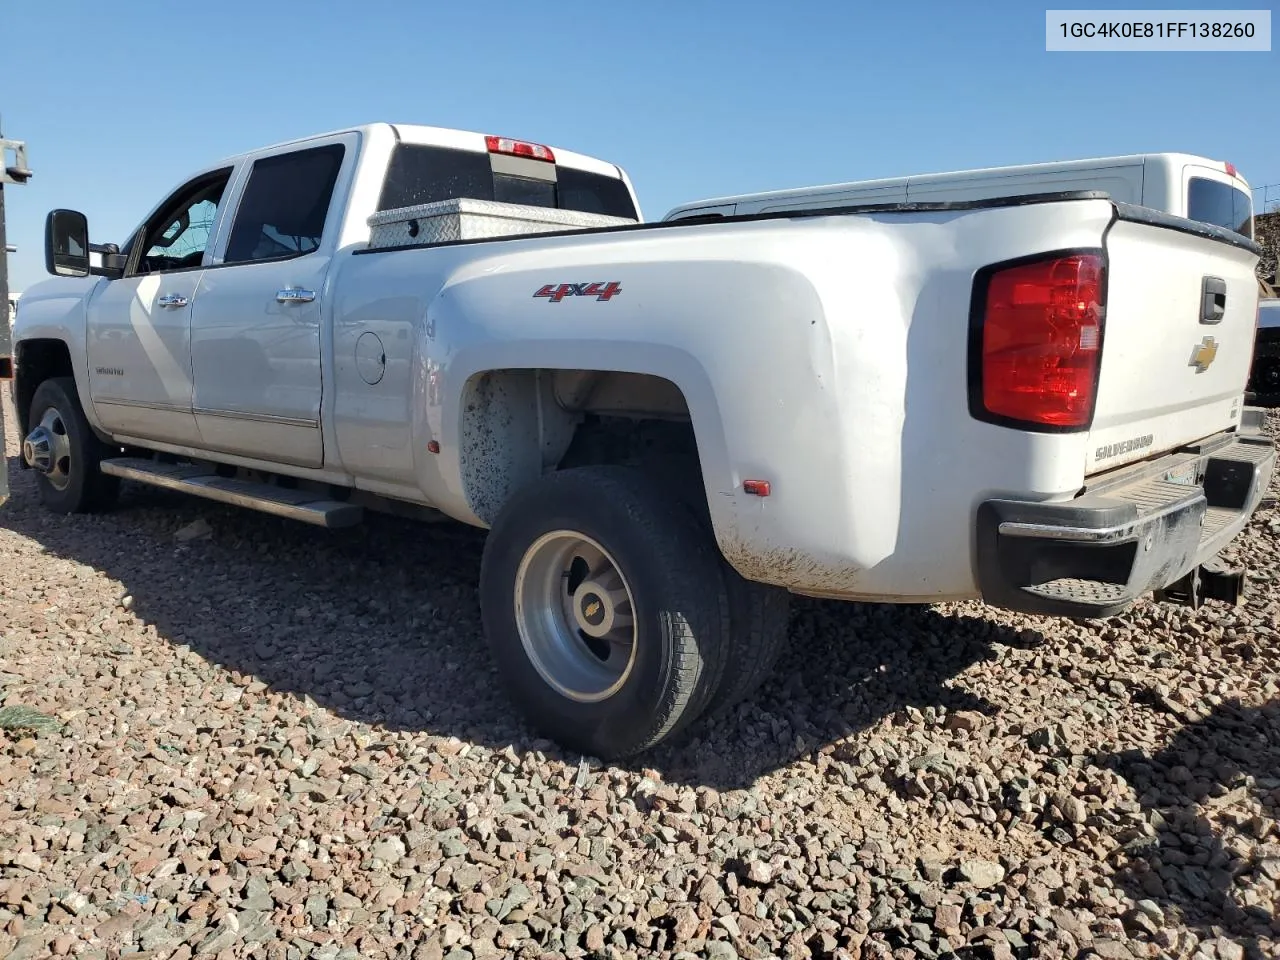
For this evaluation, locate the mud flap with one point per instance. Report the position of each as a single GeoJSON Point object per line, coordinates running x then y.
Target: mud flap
{"type": "Point", "coordinates": [1212, 580]}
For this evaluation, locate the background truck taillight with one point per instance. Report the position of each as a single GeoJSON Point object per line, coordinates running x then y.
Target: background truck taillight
{"type": "Point", "coordinates": [1036, 341]}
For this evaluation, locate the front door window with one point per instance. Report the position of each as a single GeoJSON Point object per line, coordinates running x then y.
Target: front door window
{"type": "Point", "coordinates": [177, 237]}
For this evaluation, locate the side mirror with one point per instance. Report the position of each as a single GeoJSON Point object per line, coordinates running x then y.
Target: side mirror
{"type": "Point", "coordinates": [66, 244]}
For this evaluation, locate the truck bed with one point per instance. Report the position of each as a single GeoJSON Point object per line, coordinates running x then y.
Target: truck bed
{"type": "Point", "coordinates": [862, 209]}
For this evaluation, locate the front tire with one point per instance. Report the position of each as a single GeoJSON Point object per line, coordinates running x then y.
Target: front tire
{"type": "Point", "coordinates": [605, 610]}
{"type": "Point", "coordinates": [66, 451]}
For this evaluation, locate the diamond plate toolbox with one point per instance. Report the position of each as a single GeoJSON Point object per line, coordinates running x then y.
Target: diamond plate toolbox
{"type": "Point", "coordinates": [462, 219]}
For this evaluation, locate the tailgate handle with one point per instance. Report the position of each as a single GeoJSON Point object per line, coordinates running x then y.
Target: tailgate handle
{"type": "Point", "coordinates": [1213, 300]}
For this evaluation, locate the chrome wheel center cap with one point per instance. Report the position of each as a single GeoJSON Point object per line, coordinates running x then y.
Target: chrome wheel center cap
{"type": "Point", "coordinates": [37, 450]}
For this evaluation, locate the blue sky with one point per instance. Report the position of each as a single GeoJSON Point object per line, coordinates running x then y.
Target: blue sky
{"type": "Point", "coordinates": [117, 102]}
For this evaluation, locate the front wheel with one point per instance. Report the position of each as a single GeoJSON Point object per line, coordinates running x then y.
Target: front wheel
{"type": "Point", "coordinates": [605, 610]}
{"type": "Point", "coordinates": [64, 452]}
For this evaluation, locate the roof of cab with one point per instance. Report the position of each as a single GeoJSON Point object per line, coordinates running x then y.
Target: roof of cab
{"type": "Point", "coordinates": [441, 136]}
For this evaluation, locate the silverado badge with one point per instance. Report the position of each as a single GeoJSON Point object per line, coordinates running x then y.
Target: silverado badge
{"type": "Point", "coordinates": [1203, 354]}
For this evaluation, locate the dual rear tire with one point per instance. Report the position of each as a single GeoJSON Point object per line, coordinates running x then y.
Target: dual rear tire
{"type": "Point", "coordinates": [612, 619]}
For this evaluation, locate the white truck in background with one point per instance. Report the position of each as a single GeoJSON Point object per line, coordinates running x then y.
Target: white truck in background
{"type": "Point", "coordinates": [1181, 184]}
{"type": "Point", "coordinates": [666, 428]}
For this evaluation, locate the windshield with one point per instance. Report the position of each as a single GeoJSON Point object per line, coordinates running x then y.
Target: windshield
{"type": "Point", "coordinates": [425, 174]}
{"type": "Point", "coordinates": [1221, 204]}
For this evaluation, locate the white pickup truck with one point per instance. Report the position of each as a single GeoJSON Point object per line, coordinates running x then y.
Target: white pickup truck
{"type": "Point", "coordinates": [666, 428]}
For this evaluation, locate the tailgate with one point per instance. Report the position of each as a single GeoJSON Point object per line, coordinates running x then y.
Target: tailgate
{"type": "Point", "coordinates": [1182, 305]}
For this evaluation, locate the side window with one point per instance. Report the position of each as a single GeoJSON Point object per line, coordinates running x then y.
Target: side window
{"type": "Point", "coordinates": [177, 237]}
{"type": "Point", "coordinates": [285, 204]}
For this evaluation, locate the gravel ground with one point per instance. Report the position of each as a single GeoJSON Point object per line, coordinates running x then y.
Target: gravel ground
{"type": "Point", "coordinates": [255, 739]}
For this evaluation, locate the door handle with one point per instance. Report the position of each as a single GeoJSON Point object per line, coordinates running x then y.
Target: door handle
{"type": "Point", "coordinates": [172, 300]}
{"type": "Point", "coordinates": [1213, 300]}
{"type": "Point", "coordinates": [294, 295]}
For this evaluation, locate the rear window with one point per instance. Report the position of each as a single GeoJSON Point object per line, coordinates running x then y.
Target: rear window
{"type": "Point", "coordinates": [425, 174]}
{"type": "Point", "coordinates": [1221, 204]}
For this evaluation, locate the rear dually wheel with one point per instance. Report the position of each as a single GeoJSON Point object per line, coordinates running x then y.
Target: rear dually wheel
{"type": "Point", "coordinates": [605, 610]}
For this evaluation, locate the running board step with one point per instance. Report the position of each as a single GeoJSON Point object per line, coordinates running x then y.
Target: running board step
{"type": "Point", "coordinates": [304, 505]}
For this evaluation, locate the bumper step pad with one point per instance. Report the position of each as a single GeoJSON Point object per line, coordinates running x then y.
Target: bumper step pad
{"type": "Point", "coordinates": [1157, 531]}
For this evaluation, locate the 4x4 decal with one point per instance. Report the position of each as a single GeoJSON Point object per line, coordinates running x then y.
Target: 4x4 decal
{"type": "Point", "coordinates": [555, 292]}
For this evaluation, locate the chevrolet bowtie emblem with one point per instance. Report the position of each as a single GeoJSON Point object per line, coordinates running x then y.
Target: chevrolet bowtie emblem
{"type": "Point", "coordinates": [1203, 354]}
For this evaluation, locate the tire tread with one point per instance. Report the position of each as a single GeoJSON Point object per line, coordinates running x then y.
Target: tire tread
{"type": "Point", "coordinates": [760, 616]}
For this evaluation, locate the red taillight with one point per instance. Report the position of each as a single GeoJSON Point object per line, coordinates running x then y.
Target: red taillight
{"type": "Point", "coordinates": [519, 148]}
{"type": "Point", "coordinates": [1042, 340]}
{"type": "Point", "coordinates": [1231, 169]}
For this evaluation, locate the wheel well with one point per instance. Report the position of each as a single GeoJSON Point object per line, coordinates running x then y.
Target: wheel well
{"type": "Point", "coordinates": [666, 450]}
{"type": "Point", "coordinates": [518, 425]}
{"type": "Point", "coordinates": [37, 361]}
